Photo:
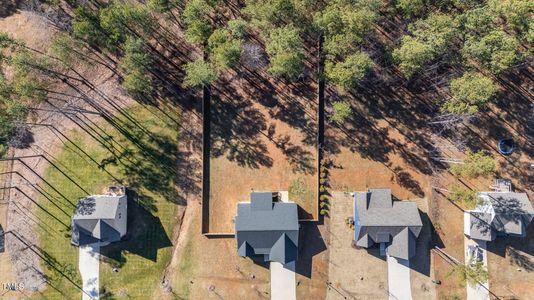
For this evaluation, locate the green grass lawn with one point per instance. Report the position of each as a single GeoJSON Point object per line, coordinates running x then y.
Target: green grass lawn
{"type": "Point", "coordinates": [140, 154]}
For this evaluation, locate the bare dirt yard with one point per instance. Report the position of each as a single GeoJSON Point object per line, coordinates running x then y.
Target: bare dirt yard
{"type": "Point", "coordinates": [263, 138]}
{"type": "Point", "coordinates": [209, 268]}
{"type": "Point", "coordinates": [363, 273]}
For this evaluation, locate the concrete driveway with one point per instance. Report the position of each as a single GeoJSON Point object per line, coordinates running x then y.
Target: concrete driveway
{"type": "Point", "coordinates": [399, 286]}
{"type": "Point", "coordinates": [283, 283]}
{"type": "Point", "coordinates": [478, 292]}
{"type": "Point", "coordinates": [89, 265]}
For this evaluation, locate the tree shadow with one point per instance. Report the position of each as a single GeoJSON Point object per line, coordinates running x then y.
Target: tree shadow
{"type": "Point", "coordinates": [421, 261]}
{"type": "Point", "coordinates": [145, 235]}
{"type": "Point", "coordinates": [312, 244]}
{"type": "Point", "coordinates": [8, 7]}
{"type": "Point", "coordinates": [235, 132]}
{"type": "Point", "coordinates": [404, 179]}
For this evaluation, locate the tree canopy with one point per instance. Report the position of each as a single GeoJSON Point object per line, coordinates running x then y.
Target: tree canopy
{"type": "Point", "coordinates": [345, 74]}
{"type": "Point", "coordinates": [285, 49]}
{"type": "Point", "coordinates": [430, 38]}
{"type": "Point", "coordinates": [196, 17]}
{"type": "Point", "coordinates": [136, 64]}
{"type": "Point", "coordinates": [341, 110]}
{"type": "Point", "coordinates": [199, 73]}
{"type": "Point", "coordinates": [469, 93]}
{"type": "Point", "coordinates": [495, 51]}
{"type": "Point", "coordinates": [476, 164]}
{"type": "Point", "coordinates": [224, 48]}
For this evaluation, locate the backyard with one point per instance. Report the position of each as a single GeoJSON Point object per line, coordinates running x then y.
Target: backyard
{"type": "Point", "coordinates": [138, 155]}
{"type": "Point", "coordinates": [263, 138]}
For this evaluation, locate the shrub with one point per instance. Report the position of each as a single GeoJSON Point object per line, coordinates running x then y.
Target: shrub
{"type": "Point", "coordinates": [341, 110]}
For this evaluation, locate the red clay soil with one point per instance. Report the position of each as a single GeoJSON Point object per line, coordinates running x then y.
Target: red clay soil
{"type": "Point", "coordinates": [262, 139]}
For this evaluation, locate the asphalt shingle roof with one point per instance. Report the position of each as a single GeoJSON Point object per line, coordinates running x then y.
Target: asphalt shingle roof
{"type": "Point", "coordinates": [500, 213]}
{"type": "Point", "coordinates": [379, 219]}
{"type": "Point", "coordinates": [267, 228]}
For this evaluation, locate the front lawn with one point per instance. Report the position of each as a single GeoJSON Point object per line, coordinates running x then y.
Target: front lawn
{"type": "Point", "coordinates": [138, 150]}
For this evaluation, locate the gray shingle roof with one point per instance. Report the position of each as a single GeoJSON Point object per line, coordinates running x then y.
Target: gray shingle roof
{"type": "Point", "coordinates": [89, 223]}
{"type": "Point", "coordinates": [500, 213]}
{"type": "Point", "coordinates": [379, 219]}
{"type": "Point", "coordinates": [97, 207]}
{"type": "Point", "coordinates": [267, 228]}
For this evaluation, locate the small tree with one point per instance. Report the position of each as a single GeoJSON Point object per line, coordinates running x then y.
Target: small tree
{"type": "Point", "coordinates": [475, 164]}
{"type": "Point", "coordinates": [86, 26]}
{"type": "Point", "coordinates": [238, 28]}
{"type": "Point", "coordinates": [432, 37]}
{"type": "Point", "coordinates": [225, 50]}
{"type": "Point", "coordinates": [199, 73]}
{"type": "Point", "coordinates": [197, 21]}
{"type": "Point", "coordinates": [411, 7]}
{"type": "Point", "coordinates": [341, 110]}
{"type": "Point", "coordinates": [285, 49]}
{"type": "Point", "coordinates": [496, 51]}
{"type": "Point", "coordinates": [412, 55]}
{"type": "Point", "coordinates": [518, 13]}
{"type": "Point", "coordinates": [469, 92]}
{"type": "Point", "coordinates": [467, 196]}
{"type": "Point", "coordinates": [472, 273]}
{"type": "Point", "coordinates": [135, 64]}
{"type": "Point", "coordinates": [437, 30]}
{"type": "Point", "coordinates": [347, 73]}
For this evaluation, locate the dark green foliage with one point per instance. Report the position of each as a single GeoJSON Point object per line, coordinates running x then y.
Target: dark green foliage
{"type": "Point", "coordinates": [267, 14]}
{"type": "Point", "coordinates": [224, 49]}
{"type": "Point", "coordinates": [285, 49]}
{"type": "Point", "coordinates": [237, 27]}
{"type": "Point", "coordinates": [430, 38]}
{"type": "Point", "coordinates": [135, 64]}
{"type": "Point", "coordinates": [86, 26]}
{"type": "Point", "coordinates": [345, 24]}
{"type": "Point", "coordinates": [411, 7]}
{"type": "Point", "coordinates": [517, 13]}
{"type": "Point", "coordinates": [199, 73]}
{"type": "Point", "coordinates": [345, 74]}
{"type": "Point", "coordinates": [469, 92]}
{"type": "Point", "coordinates": [495, 51]}
{"type": "Point", "coordinates": [197, 21]}
{"type": "Point", "coordinates": [121, 19]}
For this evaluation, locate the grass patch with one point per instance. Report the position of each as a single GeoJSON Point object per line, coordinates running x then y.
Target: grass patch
{"type": "Point", "coordinates": [140, 154]}
{"type": "Point", "coordinates": [299, 191]}
{"type": "Point", "coordinates": [185, 270]}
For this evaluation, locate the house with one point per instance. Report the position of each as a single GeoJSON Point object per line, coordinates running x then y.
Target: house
{"type": "Point", "coordinates": [394, 225]}
{"type": "Point", "coordinates": [267, 228]}
{"type": "Point", "coordinates": [100, 218]}
{"type": "Point", "coordinates": [498, 214]}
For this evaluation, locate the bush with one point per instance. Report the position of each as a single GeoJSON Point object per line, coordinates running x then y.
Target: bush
{"type": "Point", "coordinates": [323, 197]}
{"type": "Point", "coordinates": [322, 181]}
{"type": "Point", "coordinates": [322, 189]}
{"type": "Point", "coordinates": [324, 212]}
{"type": "Point", "coordinates": [341, 110]}
{"type": "Point", "coordinates": [324, 204]}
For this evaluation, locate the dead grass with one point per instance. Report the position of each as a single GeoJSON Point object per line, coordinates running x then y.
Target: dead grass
{"type": "Point", "coordinates": [210, 267]}
{"type": "Point", "coordinates": [262, 142]}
